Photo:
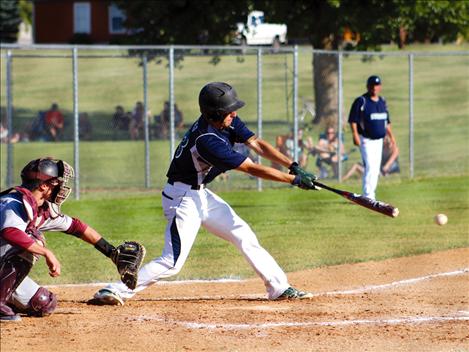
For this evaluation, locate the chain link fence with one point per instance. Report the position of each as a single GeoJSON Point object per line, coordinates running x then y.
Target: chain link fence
{"type": "Point", "coordinates": [125, 109]}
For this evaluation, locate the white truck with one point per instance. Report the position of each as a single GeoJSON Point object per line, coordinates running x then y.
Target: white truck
{"type": "Point", "coordinates": [256, 32]}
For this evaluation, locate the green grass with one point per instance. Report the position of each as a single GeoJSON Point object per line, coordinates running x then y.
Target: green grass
{"type": "Point", "coordinates": [300, 229]}
{"type": "Point", "coordinates": [441, 107]}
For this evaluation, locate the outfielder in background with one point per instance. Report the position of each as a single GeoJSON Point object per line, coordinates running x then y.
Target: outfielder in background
{"type": "Point", "coordinates": [370, 122]}
{"type": "Point", "coordinates": [205, 152]}
{"type": "Point", "coordinates": [26, 212]}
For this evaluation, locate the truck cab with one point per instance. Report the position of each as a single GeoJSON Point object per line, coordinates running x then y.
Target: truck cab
{"type": "Point", "coordinates": [256, 32]}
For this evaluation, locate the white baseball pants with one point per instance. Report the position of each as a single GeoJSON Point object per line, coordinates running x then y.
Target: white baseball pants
{"type": "Point", "coordinates": [371, 151]}
{"type": "Point", "coordinates": [186, 210]}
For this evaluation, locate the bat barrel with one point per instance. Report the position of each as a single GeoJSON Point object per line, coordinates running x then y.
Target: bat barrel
{"type": "Point", "coordinates": [375, 205]}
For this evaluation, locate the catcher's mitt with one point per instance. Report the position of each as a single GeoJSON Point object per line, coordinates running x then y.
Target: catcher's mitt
{"type": "Point", "coordinates": [128, 258]}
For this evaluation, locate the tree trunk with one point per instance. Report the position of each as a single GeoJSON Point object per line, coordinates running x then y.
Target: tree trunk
{"type": "Point", "coordinates": [402, 38]}
{"type": "Point", "coordinates": [325, 70]}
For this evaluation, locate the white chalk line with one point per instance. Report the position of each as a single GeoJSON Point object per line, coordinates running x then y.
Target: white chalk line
{"type": "Point", "coordinates": [395, 283]}
{"type": "Point", "coordinates": [257, 296]}
{"type": "Point", "coordinates": [339, 323]}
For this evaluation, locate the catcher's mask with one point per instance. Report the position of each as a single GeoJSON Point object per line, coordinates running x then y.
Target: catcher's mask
{"type": "Point", "coordinates": [217, 99]}
{"type": "Point", "coordinates": [56, 173]}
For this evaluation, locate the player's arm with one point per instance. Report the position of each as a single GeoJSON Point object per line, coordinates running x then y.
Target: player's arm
{"type": "Point", "coordinates": [303, 180]}
{"type": "Point", "coordinates": [266, 150]}
{"type": "Point", "coordinates": [265, 172]}
{"type": "Point", "coordinates": [354, 118]}
{"type": "Point", "coordinates": [85, 232]}
{"type": "Point", "coordinates": [19, 238]}
{"type": "Point", "coordinates": [355, 135]}
{"type": "Point", "coordinates": [51, 260]}
{"type": "Point", "coordinates": [127, 256]}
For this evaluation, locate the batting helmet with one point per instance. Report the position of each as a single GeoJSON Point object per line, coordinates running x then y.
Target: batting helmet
{"type": "Point", "coordinates": [57, 172]}
{"type": "Point", "coordinates": [216, 99]}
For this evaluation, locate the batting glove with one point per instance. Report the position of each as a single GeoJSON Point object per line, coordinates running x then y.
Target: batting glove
{"type": "Point", "coordinates": [304, 182]}
{"type": "Point", "coordinates": [295, 169]}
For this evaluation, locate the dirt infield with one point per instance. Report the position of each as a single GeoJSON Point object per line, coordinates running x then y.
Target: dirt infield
{"type": "Point", "coordinates": [416, 303]}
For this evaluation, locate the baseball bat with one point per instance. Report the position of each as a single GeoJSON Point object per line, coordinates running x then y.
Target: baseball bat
{"type": "Point", "coordinates": [376, 205]}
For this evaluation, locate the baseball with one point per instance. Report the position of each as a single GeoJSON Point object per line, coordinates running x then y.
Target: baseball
{"type": "Point", "coordinates": [441, 219]}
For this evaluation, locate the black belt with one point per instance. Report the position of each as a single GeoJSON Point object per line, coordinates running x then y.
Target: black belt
{"type": "Point", "coordinates": [195, 187]}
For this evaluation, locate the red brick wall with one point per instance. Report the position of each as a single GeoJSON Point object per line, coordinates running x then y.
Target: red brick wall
{"type": "Point", "coordinates": [53, 21]}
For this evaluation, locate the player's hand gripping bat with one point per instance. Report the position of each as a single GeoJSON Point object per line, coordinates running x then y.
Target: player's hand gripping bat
{"type": "Point", "coordinates": [366, 202]}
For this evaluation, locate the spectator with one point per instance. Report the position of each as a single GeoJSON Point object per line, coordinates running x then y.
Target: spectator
{"type": "Point", "coordinates": [120, 119]}
{"type": "Point", "coordinates": [85, 130]}
{"type": "Point", "coordinates": [326, 150]}
{"type": "Point", "coordinates": [370, 122]}
{"type": "Point", "coordinates": [37, 128]}
{"type": "Point", "coordinates": [163, 121]}
{"type": "Point", "coordinates": [390, 159]}
{"type": "Point", "coordinates": [389, 162]}
{"type": "Point", "coordinates": [285, 144]}
{"type": "Point", "coordinates": [4, 135]}
{"type": "Point", "coordinates": [54, 122]}
{"type": "Point", "coordinates": [137, 123]}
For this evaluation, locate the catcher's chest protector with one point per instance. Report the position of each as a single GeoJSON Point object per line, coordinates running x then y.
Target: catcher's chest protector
{"type": "Point", "coordinates": [36, 215]}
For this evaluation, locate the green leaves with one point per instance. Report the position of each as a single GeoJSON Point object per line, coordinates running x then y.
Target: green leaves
{"type": "Point", "coordinates": [9, 20]}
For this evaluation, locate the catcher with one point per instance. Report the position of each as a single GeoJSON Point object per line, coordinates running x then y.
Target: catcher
{"type": "Point", "coordinates": [27, 211]}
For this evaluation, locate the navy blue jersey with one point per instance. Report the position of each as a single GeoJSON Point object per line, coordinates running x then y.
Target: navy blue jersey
{"type": "Point", "coordinates": [205, 152]}
{"type": "Point", "coordinates": [370, 116]}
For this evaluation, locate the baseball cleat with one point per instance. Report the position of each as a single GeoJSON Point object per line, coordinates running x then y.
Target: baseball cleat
{"type": "Point", "coordinates": [293, 293]}
{"type": "Point", "coordinates": [15, 317]}
{"type": "Point", "coordinates": [106, 297]}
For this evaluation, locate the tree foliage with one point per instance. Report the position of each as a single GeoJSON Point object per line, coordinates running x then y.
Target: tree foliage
{"type": "Point", "coordinates": [321, 22]}
{"type": "Point", "coordinates": [9, 20]}
{"type": "Point", "coordinates": [183, 21]}
{"type": "Point", "coordinates": [377, 21]}
{"type": "Point", "coordinates": [26, 11]}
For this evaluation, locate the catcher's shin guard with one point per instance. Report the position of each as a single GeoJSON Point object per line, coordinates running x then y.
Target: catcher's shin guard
{"type": "Point", "coordinates": [12, 271]}
{"type": "Point", "coordinates": [42, 303]}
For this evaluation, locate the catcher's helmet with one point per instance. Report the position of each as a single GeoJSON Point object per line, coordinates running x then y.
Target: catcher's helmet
{"type": "Point", "coordinates": [216, 99]}
{"type": "Point", "coordinates": [57, 172]}
{"type": "Point", "coordinates": [40, 170]}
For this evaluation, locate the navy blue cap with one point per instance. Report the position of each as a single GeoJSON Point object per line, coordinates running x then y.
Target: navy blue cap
{"type": "Point", "coordinates": [373, 81]}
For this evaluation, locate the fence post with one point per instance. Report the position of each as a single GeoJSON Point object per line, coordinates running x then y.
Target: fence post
{"type": "Point", "coordinates": [411, 115]}
{"type": "Point", "coordinates": [340, 117]}
{"type": "Point", "coordinates": [171, 101]}
{"type": "Point", "coordinates": [146, 124]}
{"type": "Point", "coordinates": [76, 125]}
{"type": "Point", "coordinates": [295, 103]}
{"type": "Point", "coordinates": [259, 107]}
{"type": "Point", "coordinates": [9, 180]}
{"type": "Point", "coordinates": [287, 90]}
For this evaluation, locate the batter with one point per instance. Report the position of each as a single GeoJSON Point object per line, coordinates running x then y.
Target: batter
{"type": "Point", "coordinates": [205, 152]}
